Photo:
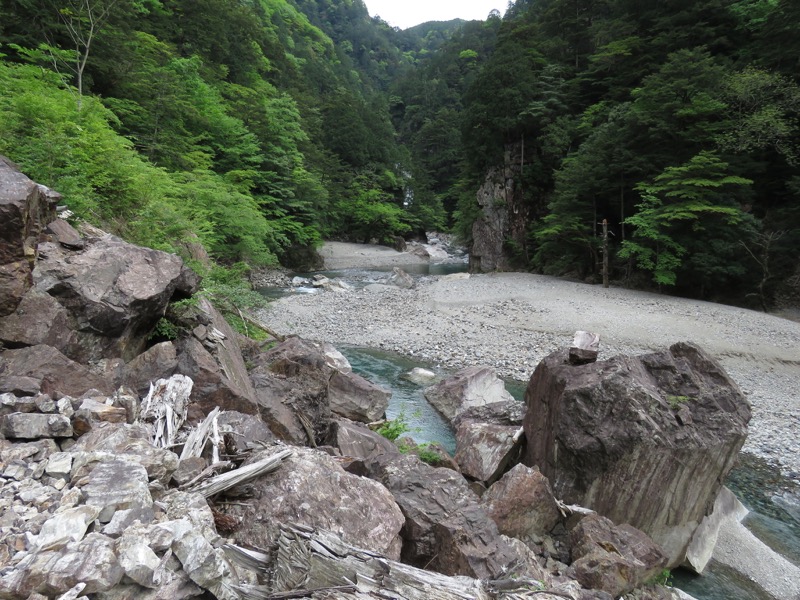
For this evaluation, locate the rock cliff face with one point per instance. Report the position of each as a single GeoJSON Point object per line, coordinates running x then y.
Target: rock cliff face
{"type": "Point", "coordinates": [643, 440]}
{"type": "Point", "coordinates": [503, 218]}
{"type": "Point", "coordinates": [25, 209]}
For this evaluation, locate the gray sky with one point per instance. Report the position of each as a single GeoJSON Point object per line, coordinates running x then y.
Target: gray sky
{"type": "Point", "coordinates": [407, 13]}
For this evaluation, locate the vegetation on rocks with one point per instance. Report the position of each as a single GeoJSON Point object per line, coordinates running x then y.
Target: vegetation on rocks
{"type": "Point", "coordinates": [256, 130]}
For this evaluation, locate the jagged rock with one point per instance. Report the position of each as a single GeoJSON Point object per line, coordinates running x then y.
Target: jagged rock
{"type": "Point", "coordinates": [92, 412]}
{"type": "Point", "coordinates": [401, 279]}
{"type": "Point", "coordinates": [508, 413]}
{"type": "Point", "coordinates": [124, 519]}
{"type": "Point", "coordinates": [9, 403]}
{"type": "Point", "coordinates": [297, 385]}
{"type": "Point", "coordinates": [445, 529]}
{"type": "Point", "coordinates": [25, 209]}
{"type": "Point", "coordinates": [31, 451]}
{"type": "Point", "coordinates": [116, 484]}
{"type": "Point", "coordinates": [470, 387]}
{"type": "Point", "coordinates": [91, 561]}
{"type": "Point", "coordinates": [613, 558]}
{"type": "Point", "coordinates": [57, 375]}
{"type": "Point", "coordinates": [357, 441]}
{"type": "Point", "coordinates": [726, 507]}
{"type": "Point", "coordinates": [69, 525]}
{"type": "Point", "coordinates": [522, 505]}
{"type": "Point", "coordinates": [131, 442]}
{"type": "Point", "coordinates": [246, 431]}
{"type": "Point", "coordinates": [114, 292]}
{"type": "Point", "coordinates": [138, 560]}
{"type": "Point", "coordinates": [35, 426]}
{"type": "Point", "coordinates": [616, 421]}
{"type": "Point", "coordinates": [65, 234]}
{"type": "Point", "coordinates": [312, 489]}
{"type": "Point", "coordinates": [484, 451]}
{"type": "Point", "coordinates": [40, 319]}
{"type": "Point", "coordinates": [157, 362]}
{"type": "Point", "coordinates": [353, 397]}
{"type": "Point", "coordinates": [19, 386]}
{"type": "Point", "coordinates": [59, 465]}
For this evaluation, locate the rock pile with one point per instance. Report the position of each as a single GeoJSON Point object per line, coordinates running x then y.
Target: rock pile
{"type": "Point", "coordinates": [135, 464]}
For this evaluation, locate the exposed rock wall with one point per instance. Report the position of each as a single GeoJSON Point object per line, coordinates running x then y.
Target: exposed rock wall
{"type": "Point", "coordinates": [25, 210]}
{"type": "Point", "coordinates": [503, 218]}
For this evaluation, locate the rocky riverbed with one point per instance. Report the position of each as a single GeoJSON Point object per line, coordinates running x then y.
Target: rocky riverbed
{"type": "Point", "coordinates": [510, 321]}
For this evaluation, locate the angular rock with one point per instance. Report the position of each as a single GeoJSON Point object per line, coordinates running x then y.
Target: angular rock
{"type": "Point", "coordinates": [613, 558]}
{"type": "Point", "coordinates": [116, 484]}
{"type": "Point", "coordinates": [19, 386]}
{"type": "Point", "coordinates": [358, 441]}
{"type": "Point", "coordinates": [131, 442]}
{"type": "Point", "coordinates": [25, 209]}
{"type": "Point", "coordinates": [30, 451]}
{"type": "Point", "coordinates": [204, 565]}
{"type": "Point", "coordinates": [353, 397]}
{"type": "Point", "coordinates": [157, 362]}
{"type": "Point", "coordinates": [522, 505]}
{"type": "Point", "coordinates": [401, 279]}
{"type": "Point", "coordinates": [93, 412]}
{"type": "Point", "coordinates": [91, 561]}
{"type": "Point", "coordinates": [40, 319]}
{"type": "Point", "coordinates": [310, 488]}
{"type": "Point", "coordinates": [212, 386]}
{"type": "Point", "coordinates": [138, 560]}
{"type": "Point", "coordinates": [445, 529]}
{"type": "Point", "coordinates": [617, 421]}
{"type": "Point", "coordinates": [59, 465]}
{"type": "Point", "coordinates": [113, 291]}
{"type": "Point", "coordinates": [9, 403]}
{"type": "Point", "coordinates": [726, 507]}
{"type": "Point", "coordinates": [32, 426]}
{"type": "Point", "coordinates": [470, 387]}
{"type": "Point", "coordinates": [65, 234]}
{"type": "Point", "coordinates": [69, 525]}
{"type": "Point", "coordinates": [57, 375]}
{"type": "Point", "coordinates": [484, 451]}
{"type": "Point", "coordinates": [244, 432]}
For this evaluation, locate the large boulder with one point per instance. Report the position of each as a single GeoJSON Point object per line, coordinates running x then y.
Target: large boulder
{"type": "Point", "coordinates": [671, 421]}
{"type": "Point", "coordinates": [446, 529]}
{"type": "Point", "coordinates": [312, 489]}
{"type": "Point", "coordinates": [484, 450]}
{"type": "Point", "coordinates": [54, 373]}
{"type": "Point", "coordinates": [613, 558]}
{"type": "Point", "coordinates": [299, 384]}
{"type": "Point", "coordinates": [212, 358]}
{"type": "Point", "coordinates": [522, 505]}
{"type": "Point", "coordinates": [25, 209]}
{"type": "Point", "coordinates": [113, 292]}
{"type": "Point", "coordinates": [468, 388]}
{"type": "Point", "coordinates": [358, 441]}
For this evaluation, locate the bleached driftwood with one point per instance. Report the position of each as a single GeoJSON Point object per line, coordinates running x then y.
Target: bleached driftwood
{"type": "Point", "coordinates": [308, 562]}
{"type": "Point", "coordinates": [226, 481]}
{"type": "Point", "coordinates": [165, 406]}
{"type": "Point", "coordinates": [197, 438]}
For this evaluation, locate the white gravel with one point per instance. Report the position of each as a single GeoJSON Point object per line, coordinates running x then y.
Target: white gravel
{"type": "Point", "coordinates": [510, 321]}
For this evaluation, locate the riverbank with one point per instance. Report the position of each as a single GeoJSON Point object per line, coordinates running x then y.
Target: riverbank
{"type": "Point", "coordinates": [510, 321]}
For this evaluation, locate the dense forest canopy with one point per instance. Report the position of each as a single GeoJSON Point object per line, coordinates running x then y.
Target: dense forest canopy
{"type": "Point", "coordinates": [256, 128]}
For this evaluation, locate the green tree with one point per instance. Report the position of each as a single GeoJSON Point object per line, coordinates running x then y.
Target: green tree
{"type": "Point", "coordinates": [698, 198]}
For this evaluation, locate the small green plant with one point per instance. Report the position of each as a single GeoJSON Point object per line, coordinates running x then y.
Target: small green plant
{"type": "Point", "coordinates": [164, 329]}
{"type": "Point", "coordinates": [427, 455]}
{"type": "Point", "coordinates": [396, 427]}
{"type": "Point", "coordinates": [675, 402]}
{"type": "Point", "coordinates": [664, 578]}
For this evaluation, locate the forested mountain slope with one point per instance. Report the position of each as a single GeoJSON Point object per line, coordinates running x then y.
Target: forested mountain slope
{"type": "Point", "coordinates": [257, 128]}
